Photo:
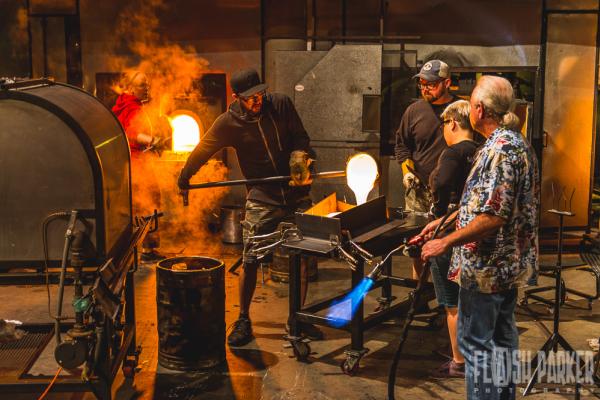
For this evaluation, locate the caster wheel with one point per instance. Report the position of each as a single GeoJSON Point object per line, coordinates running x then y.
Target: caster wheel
{"type": "Point", "coordinates": [349, 367]}
{"type": "Point", "coordinates": [128, 368]}
{"type": "Point", "coordinates": [301, 350]}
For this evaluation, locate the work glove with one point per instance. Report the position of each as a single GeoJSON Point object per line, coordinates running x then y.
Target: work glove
{"type": "Point", "coordinates": [299, 168]}
{"type": "Point", "coordinates": [410, 180]}
{"type": "Point", "coordinates": [182, 182]}
{"type": "Point", "coordinates": [184, 186]}
{"type": "Point", "coordinates": [157, 145]}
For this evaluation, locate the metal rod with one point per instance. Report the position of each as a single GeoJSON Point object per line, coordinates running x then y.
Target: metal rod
{"type": "Point", "coordinates": [270, 179]}
{"type": "Point", "coordinates": [45, 44]}
{"type": "Point", "coordinates": [29, 36]}
{"type": "Point", "coordinates": [375, 38]}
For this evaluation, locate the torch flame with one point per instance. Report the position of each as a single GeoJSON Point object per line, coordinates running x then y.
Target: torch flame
{"type": "Point", "coordinates": [361, 174]}
{"type": "Point", "coordinates": [186, 132]}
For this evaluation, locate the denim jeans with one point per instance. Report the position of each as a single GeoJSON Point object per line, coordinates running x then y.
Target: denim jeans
{"type": "Point", "coordinates": [488, 338]}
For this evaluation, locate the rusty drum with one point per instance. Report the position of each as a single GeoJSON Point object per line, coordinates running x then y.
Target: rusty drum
{"type": "Point", "coordinates": [190, 295]}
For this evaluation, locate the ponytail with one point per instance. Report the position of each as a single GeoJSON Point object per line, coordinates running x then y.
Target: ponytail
{"type": "Point", "coordinates": [510, 120]}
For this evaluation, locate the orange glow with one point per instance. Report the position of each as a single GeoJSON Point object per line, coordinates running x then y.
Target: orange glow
{"type": "Point", "coordinates": [186, 131]}
{"type": "Point", "coordinates": [361, 174]}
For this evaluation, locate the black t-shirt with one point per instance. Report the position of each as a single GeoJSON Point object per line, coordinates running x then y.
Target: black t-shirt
{"type": "Point", "coordinates": [448, 178]}
{"type": "Point", "coordinates": [420, 138]}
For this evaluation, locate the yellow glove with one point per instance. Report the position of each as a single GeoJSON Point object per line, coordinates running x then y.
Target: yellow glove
{"type": "Point", "coordinates": [408, 177]}
{"type": "Point", "coordinates": [408, 166]}
{"type": "Point", "coordinates": [299, 163]}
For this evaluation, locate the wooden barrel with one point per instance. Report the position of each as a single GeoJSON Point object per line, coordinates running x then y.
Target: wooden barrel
{"type": "Point", "coordinates": [280, 267]}
{"type": "Point", "coordinates": [190, 296]}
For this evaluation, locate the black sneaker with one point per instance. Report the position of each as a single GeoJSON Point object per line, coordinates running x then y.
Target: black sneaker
{"type": "Point", "coordinates": [241, 333]}
{"type": "Point", "coordinates": [152, 256]}
{"type": "Point", "coordinates": [308, 330]}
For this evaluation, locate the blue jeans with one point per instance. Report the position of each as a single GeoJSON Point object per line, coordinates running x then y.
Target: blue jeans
{"type": "Point", "coordinates": [488, 338]}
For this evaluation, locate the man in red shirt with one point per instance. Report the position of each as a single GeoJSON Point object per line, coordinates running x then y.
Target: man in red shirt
{"type": "Point", "coordinates": [129, 110]}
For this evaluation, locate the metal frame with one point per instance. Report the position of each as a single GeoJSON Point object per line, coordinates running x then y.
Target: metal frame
{"type": "Point", "coordinates": [110, 360]}
{"type": "Point", "coordinates": [312, 5]}
{"type": "Point", "coordinates": [101, 383]}
{"type": "Point", "coordinates": [73, 54]}
{"type": "Point", "coordinates": [359, 323]}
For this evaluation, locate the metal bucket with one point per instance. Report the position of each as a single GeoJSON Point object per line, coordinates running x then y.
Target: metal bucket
{"type": "Point", "coordinates": [190, 296]}
{"type": "Point", "coordinates": [231, 218]}
{"type": "Point", "coordinates": [280, 267]}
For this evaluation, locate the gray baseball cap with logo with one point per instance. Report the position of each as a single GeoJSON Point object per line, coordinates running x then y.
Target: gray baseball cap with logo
{"type": "Point", "coordinates": [434, 70]}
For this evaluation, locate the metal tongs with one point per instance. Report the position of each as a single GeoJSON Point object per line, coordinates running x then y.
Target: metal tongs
{"type": "Point", "coordinates": [260, 246]}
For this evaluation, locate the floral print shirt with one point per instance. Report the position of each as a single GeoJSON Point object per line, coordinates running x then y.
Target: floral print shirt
{"type": "Point", "coordinates": [503, 182]}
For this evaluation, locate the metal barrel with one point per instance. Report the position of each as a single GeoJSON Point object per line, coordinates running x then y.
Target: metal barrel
{"type": "Point", "coordinates": [279, 269]}
{"type": "Point", "coordinates": [190, 296]}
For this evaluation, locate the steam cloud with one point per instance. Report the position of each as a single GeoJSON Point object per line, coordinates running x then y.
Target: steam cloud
{"type": "Point", "coordinates": [171, 70]}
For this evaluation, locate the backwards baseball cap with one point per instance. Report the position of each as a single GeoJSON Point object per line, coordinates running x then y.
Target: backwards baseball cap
{"type": "Point", "coordinates": [434, 70]}
{"type": "Point", "coordinates": [246, 82]}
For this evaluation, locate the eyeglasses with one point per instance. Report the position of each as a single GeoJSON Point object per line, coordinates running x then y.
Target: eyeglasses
{"type": "Point", "coordinates": [446, 121]}
{"type": "Point", "coordinates": [428, 85]}
{"type": "Point", "coordinates": [255, 98]}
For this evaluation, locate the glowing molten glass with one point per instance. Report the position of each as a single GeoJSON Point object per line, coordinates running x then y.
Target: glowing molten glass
{"type": "Point", "coordinates": [186, 133]}
{"type": "Point", "coordinates": [361, 174]}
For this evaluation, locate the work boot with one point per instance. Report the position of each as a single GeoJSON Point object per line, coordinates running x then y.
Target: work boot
{"type": "Point", "coordinates": [449, 369]}
{"type": "Point", "coordinates": [241, 333]}
{"type": "Point", "coordinates": [151, 256]}
{"type": "Point", "coordinates": [308, 330]}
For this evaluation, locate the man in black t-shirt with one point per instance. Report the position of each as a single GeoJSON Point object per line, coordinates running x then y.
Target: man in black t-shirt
{"type": "Point", "coordinates": [419, 138]}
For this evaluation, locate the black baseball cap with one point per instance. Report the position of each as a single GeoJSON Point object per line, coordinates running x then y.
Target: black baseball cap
{"type": "Point", "coordinates": [434, 70]}
{"type": "Point", "coordinates": [246, 82]}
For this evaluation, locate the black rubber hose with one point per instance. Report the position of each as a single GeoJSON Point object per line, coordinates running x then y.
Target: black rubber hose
{"type": "Point", "coordinates": [416, 294]}
{"type": "Point", "coordinates": [63, 271]}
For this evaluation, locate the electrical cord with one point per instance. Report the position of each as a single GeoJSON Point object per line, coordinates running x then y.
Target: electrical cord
{"type": "Point", "coordinates": [43, 395]}
{"type": "Point", "coordinates": [411, 312]}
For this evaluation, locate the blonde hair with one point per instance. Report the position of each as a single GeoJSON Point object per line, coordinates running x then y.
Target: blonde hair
{"type": "Point", "coordinates": [459, 111]}
{"type": "Point", "coordinates": [498, 98]}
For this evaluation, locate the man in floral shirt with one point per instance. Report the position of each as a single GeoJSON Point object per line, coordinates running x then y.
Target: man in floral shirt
{"type": "Point", "coordinates": [495, 244]}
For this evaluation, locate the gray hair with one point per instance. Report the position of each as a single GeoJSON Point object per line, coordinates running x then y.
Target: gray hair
{"type": "Point", "coordinates": [459, 111]}
{"type": "Point", "coordinates": [497, 96]}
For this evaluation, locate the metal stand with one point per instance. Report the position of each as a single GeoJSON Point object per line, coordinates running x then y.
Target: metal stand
{"type": "Point", "coordinates": [556, 338]}
{"type": "Point", "coordinates": [358, 323]}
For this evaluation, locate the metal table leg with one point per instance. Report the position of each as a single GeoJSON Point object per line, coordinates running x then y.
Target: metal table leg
{"type": "Point", "coordinates": [357, 351]}
{"type": "Point", "coordinates": [299, 345]}
{"type": "Point", "coordinates": [385, 301]}
{"type": "Point", "coordinates": [356, 325]}
{"type": "Point", "coordinates": [294, 291]}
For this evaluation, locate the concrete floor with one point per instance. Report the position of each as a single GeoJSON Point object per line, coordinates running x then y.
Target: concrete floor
{"type": "Point", "coordinates": [266, 369]}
